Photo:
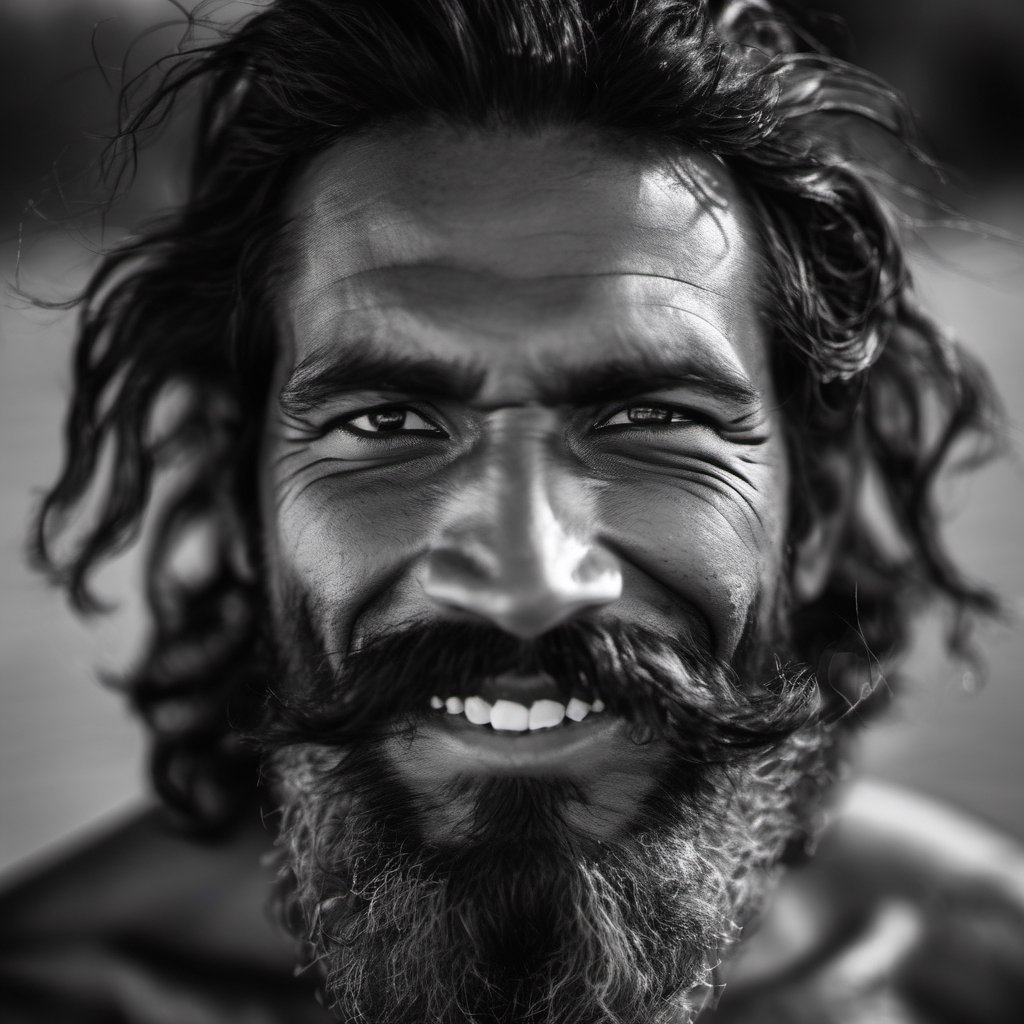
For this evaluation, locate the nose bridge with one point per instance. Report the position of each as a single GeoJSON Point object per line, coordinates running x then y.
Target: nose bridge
{"type": "Point", "coordinates": [528, 522]}
{"type": "Point", "coordinates": [521, 548]}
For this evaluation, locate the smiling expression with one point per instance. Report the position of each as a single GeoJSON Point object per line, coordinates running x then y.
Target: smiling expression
{"type": "Point", "coordinates": [524, 380]}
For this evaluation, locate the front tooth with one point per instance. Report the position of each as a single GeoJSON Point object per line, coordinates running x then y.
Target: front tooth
{"type": "Point", "coordinates": [478, 711]}
{"type": "Point", "coordinates": [577, 710]}
{"type": "Point", "coordinates": [454, 705]}
{"type": "Point", "coordinates": [597, 706]}
{"type": "Point", "coordinates": [546, 714]}
{"type": "Point", "coordinates": [510, 716]}
{"type": "Point", "coordinates": [436, 703]}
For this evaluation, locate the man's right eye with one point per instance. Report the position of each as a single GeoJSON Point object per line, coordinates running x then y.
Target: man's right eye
{"type": "Point", "coordinates": [390, 420]}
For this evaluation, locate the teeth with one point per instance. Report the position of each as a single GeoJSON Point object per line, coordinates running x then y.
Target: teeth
{"type": "Point", "coordinates": [545, 714]}
{"type": "Point", "coordinates": [478, 711]}
{"type": "Point", "coordinates": [577, 710]}
{"type": "Point", "coordinates": [511, 717]}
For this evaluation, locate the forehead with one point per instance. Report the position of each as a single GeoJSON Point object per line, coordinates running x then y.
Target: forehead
{"type": "Point", "coordinates": [516, 247]}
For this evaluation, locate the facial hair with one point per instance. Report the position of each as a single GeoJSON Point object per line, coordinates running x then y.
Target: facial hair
{"type": "Point", "coordinates": [522, 916]}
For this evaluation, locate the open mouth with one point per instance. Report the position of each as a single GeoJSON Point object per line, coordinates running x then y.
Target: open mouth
{"type": "Point", "coordinates": [513, 716]}
{"type": "Point", "coordinates": [518, 725]}
{"type": "Point", "coordinates": [518, 704]}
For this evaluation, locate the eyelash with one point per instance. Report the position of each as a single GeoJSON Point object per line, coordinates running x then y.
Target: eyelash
{"type": "Point", "coordinates": [685, 416]}
{"type": "Point", "coordinates": [379, 410]}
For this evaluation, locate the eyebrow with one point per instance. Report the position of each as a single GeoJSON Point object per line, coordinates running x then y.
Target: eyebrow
{"type": "Point", "coordinates": [364, 365]}
{"type": "Point", "coordinates": [624, 378]}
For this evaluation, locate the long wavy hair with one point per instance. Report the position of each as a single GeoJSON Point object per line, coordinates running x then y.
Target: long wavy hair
{"type": "Point", "coordinates": [177, 334]}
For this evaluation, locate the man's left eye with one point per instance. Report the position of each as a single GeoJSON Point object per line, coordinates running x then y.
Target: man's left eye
{"type": "Point", "coordinates": [648, 415]}
{"type": "Point", "coordinates": [395, 419]}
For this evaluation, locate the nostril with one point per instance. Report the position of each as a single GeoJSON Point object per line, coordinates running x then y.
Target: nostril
{"type": "Point", "coordinates": [523, 588]}
{"type": "Point", "coordinates": [451, 562]}
{"type": "Point", "coordinates": [460, 578]}
{"type": "Point", "coordinates": [599, 571]}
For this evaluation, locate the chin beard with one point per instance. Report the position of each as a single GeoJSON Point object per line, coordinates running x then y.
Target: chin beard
{"type": "Point", "coordinates": [523, 918]}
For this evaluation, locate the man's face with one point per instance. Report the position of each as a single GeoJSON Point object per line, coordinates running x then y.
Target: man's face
{"type": "Point", "coordinates": [523, 387]}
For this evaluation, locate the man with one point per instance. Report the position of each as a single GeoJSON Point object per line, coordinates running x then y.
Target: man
{"type": "Point", "coordinates": [542, 385]}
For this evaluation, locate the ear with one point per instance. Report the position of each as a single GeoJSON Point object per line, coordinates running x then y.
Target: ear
{"type": "Point", "coordinates": [831, 493]}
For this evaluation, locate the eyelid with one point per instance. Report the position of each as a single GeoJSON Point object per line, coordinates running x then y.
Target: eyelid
{"type": "Point", "coordinates": [345, 422]}
{"type": "Point", "coordinates": [673, 408]}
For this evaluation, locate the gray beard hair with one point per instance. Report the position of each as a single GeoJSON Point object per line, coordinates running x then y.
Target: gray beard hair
{"type": "Point", "coordinates": [534, 929]}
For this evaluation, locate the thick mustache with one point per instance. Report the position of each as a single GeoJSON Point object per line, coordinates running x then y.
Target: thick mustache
{"type": "Point", "coordinates": [667, 688]}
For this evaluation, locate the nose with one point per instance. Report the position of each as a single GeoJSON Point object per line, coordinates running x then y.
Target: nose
{"type": "Point", "coordinates": [520, 549]}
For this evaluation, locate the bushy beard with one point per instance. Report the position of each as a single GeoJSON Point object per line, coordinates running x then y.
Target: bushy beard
{"type": "Point", "coordinates": [520, 915]}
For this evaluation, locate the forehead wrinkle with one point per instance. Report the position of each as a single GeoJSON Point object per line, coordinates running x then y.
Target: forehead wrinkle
{"type": "Point", "coordinates": [424, 255]}
{"type": "Point", "coordinates": [428, 211]}
{"type": "Point", "coordinates": [688, 311]}
{"type": "Point", "coordinates": [360, 220]}
{"type": "Point", "coordinates": [392, 294]}
{"type": "Point", "coordinates": [425, 251]}
{"type": "Point", "coordinates": [422, 276]}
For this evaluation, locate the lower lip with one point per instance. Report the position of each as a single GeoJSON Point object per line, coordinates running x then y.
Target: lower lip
{"type": "Point", "coordinates": [580, 747]}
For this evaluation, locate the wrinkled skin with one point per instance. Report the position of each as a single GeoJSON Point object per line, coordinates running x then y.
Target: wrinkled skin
{"type": "Point", "coordinates": [525, 381]}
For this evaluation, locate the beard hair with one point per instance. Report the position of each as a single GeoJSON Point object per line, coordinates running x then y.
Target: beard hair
{"type": "Point", "coordinates": [514, 930]}
{"type": "Point", "coordinates": [522, 918]}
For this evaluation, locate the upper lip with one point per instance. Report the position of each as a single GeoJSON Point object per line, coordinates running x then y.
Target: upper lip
{"type": "Point", "coordinates": [522, 688]}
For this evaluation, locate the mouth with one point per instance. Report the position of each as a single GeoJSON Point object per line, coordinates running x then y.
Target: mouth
{"type": "Point", "coordinates": [518, 725]}
{"type": "Point", "coordinates": [518, 704]}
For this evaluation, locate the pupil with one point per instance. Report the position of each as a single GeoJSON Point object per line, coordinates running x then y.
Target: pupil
{"type": "Point", "coordinates": [648, 414]}
{"type": "Point", "coordinates": [391, 419]}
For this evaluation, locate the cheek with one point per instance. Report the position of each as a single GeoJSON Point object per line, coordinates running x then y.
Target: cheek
{"type": "Point", "coordinates": [342, 543]}
{"type": "Point", "coordinates": [714, 542]}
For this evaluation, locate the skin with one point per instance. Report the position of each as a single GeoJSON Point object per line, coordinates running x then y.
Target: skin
{"type": "Point", "coordinates": [509, 265]}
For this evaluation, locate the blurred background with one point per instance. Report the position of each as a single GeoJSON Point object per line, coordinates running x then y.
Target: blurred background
{"type": "Point", "coordinates": [70, 757]}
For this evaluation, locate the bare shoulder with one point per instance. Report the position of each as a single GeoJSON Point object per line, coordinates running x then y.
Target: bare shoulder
{"type": "Point", "coordinates": [910, 912]}
{"type": "Point", "coordinates": [142, 925]}
{"type": "Point", "coordinates": [923, 841]}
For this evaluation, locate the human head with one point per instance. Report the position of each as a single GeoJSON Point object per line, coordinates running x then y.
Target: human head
{"type": "Point", "coordinates": [196, 306]}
